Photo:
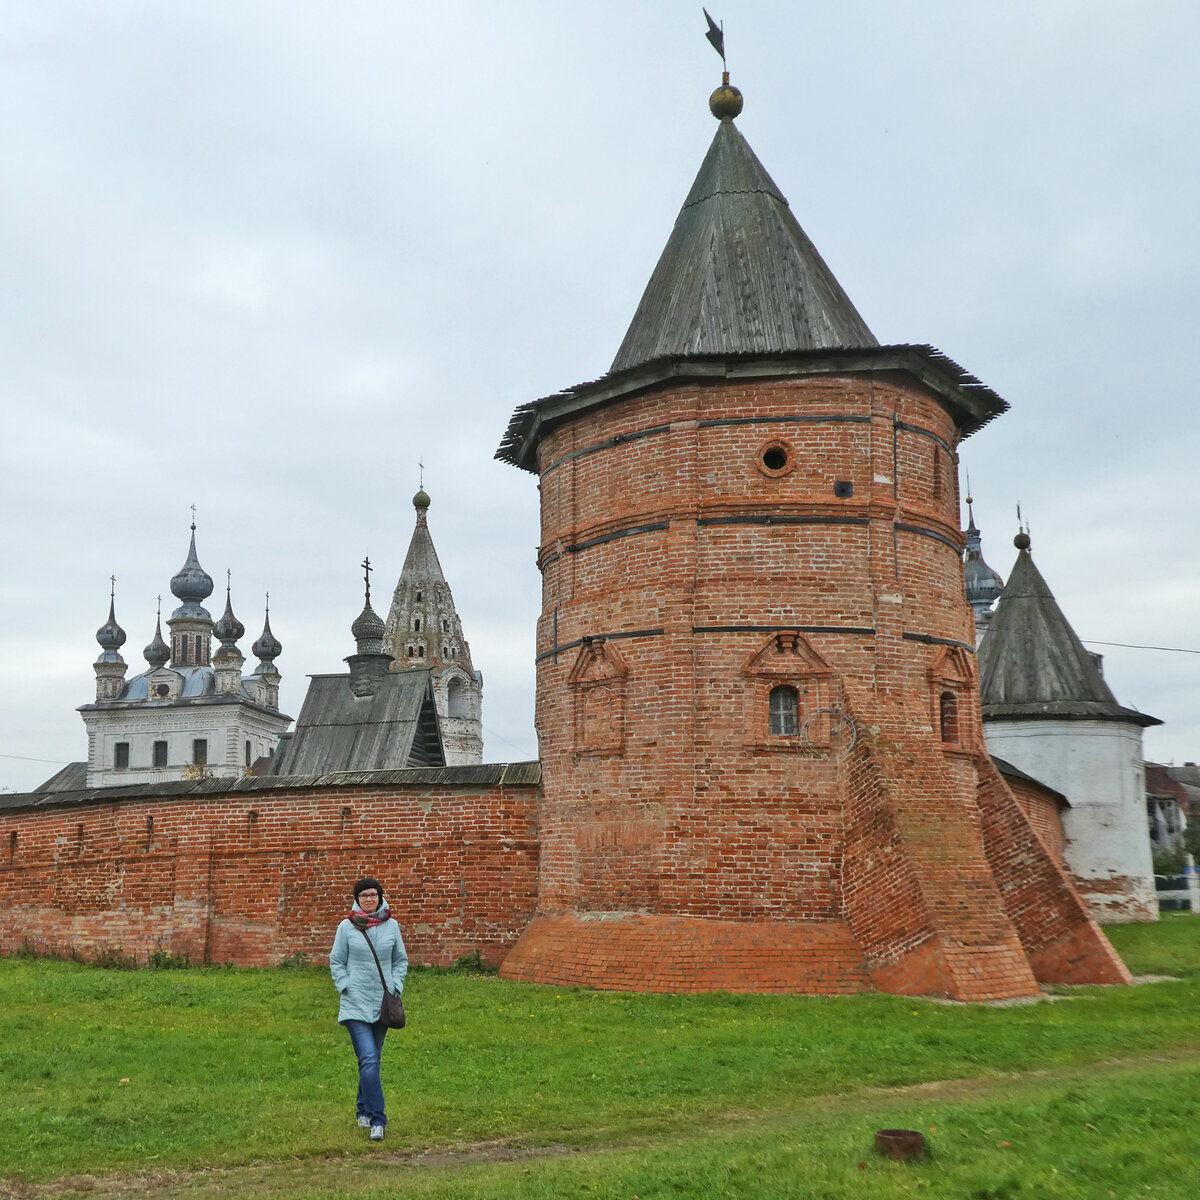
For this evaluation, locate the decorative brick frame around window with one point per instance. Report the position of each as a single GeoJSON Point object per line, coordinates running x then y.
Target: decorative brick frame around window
{"type": "Point", "coordinates": [787, 659]}
{"type": "Point", "coordinates": [597, 682]}
{"type": "Point", "coordinates": [953, 698]}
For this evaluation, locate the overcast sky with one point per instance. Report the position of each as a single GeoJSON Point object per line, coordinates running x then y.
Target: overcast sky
{"type": "Point", "coordinates": [264, 257]}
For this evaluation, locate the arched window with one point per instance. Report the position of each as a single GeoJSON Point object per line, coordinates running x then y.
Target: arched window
{"type": "Point", "coordinates": [457, 704]}
{"type": "Point", "coordinates": [948, 715]}
{"type": "Point", "coordinates": [416, 625]}
{"type": "Point", "coordinates": [784, 710]}
{"type": "Point", "coordinates": [411, 651]}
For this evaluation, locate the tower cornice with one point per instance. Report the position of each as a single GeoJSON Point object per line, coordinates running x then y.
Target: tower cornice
{"type": "Point", "coordinates": [971, 403]}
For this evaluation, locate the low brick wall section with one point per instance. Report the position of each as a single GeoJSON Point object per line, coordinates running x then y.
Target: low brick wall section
{"type": "Point", "coordinates": [251, 871]}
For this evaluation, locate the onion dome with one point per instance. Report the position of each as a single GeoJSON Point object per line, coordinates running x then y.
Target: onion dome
{"type": "Point", "coordinates": [368, 630]}
{"type": "Point", "coordinates": [192, 583]}
{"type": "Point", "coordinates": [267, 647]}
{"type": "Point", "coordinates": [983, 584]}
{"type": "Point", "coordinates": [158, 652]}
{"type": "Point", "coordinates": [421, 499]}
{"type": "Point", "coordinates": [228, 628]}
{"type": "Point", "coordinates": [110, 635]}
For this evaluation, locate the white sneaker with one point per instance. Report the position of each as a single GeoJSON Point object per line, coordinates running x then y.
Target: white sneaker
{"type": "Point", "coordinates": [377, 1133]}
{"type": "Point", "coordinates": [364, 1122]}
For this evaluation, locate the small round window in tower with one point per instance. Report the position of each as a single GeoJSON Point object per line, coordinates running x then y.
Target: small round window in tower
{"type": "Point", "coordinates": [775, 458]}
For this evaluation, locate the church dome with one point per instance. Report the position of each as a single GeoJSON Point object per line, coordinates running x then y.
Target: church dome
{"type": "Point", "coordinates": [421, 499]}
{"type": "Point", "coordinates": [984, 585]}
{"type": "Point", "coordinates": [158, 652]}
{"type": "Point", "coordinates": [192, 583]}
{"type": "Point", "coordinates": [267, 647]}
{"type": "Point", "coordinates": [228, 628]}
{"type": "Point", "coordinates": [110, 635]}
{"type": "Point", "coordinates": [368, 626]}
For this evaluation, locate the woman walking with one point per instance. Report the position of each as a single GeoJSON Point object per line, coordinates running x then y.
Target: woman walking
{"type": "Point", "coordinates": [357, 979]}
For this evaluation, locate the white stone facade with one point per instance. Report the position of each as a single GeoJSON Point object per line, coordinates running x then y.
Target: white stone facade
{"type": "Point", "coordinates": [459, 699]}
{"type": "Point", "coordinates": [1099, 767]}
{"type": "Point", "coordinates": [234, 736]}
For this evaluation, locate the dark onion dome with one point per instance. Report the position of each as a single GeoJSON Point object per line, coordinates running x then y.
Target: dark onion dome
{"type": "Point", "coordinates": [368, 627]}
{"type": "Point", "coordinates": [984, 585]}
{"type": "Point", "coordinates": [110, 635]}
{"type": "Point", "coordinates": [158, 652]}
{"type": "Point", "coordinates": [192, 583]}
{"type": "Point", "coordinates": [421, 499]}
{"type": "Point", "coordinates": [268, 647]}
{"type": "Point", "coordinates": [228, 628]}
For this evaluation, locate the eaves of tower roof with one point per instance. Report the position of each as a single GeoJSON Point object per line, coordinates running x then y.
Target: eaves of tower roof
{"type": "Point", "coordinates": [1032, 665]}
{"type": "Point", "coordinates": [971, 403]}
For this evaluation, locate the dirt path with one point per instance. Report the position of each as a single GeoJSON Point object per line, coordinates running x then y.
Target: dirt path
{"type": "Point", "coordinates": [344, 1175]}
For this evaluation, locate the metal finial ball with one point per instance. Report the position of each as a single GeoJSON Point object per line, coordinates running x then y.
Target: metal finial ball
{"type": "Point", "coordinates": [1021, 541]}
{"type": "Point", "coordinates": [725, 103]}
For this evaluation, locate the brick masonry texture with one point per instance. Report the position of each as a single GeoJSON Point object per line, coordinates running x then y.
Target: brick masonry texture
{"type": "Point", "coordinates": [699, 549]}
{"type": "Point", "coordinates": [252, 878]}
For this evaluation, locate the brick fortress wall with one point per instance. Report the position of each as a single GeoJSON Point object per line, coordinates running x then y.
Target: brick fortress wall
{"type": "Point", "coordinates": [253, 871]}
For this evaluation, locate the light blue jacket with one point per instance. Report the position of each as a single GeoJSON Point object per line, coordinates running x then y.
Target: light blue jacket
{"type": "Point", "coordinates": [354, 973]}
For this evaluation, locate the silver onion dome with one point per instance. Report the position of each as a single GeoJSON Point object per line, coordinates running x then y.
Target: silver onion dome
{"type": "Point", "coordinates": [228, 628]}
{"type": "Point", "coordinates": [192, 583]}
{"type": "Point", "coordinates": [267, 648]}
{"type": "Point", "coordinates": [158, 652]}
{"type": "Point", "coordinates": [110, 635]}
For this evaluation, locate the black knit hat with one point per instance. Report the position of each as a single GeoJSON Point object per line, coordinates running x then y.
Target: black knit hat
{"type": "Point", "coordinates": [364, 884]}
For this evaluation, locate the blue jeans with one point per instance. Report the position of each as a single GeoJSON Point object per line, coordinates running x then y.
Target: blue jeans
{"type": "Point", "coordinates": [367, 1040]}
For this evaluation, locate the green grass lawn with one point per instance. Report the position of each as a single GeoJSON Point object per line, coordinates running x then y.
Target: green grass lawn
{"type": "Point", "coordinates": [109, 1072]}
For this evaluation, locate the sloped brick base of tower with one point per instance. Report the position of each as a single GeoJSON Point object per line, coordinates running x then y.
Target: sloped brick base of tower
{"type": "Point", "coordinates": [964, 902]}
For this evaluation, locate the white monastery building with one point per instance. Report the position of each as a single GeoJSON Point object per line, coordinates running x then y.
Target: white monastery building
{"type": "Point", "coordinates": [192, 712]}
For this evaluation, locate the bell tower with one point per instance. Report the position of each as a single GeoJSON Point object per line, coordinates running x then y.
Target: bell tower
{"type": "Point", "coordinates": [757, 704]}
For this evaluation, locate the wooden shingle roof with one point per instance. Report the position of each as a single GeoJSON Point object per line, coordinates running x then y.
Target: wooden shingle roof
{"type": "Point", "coordinates": [738, 274]}
{"type": "Point", "coordinates": [1032, 664]}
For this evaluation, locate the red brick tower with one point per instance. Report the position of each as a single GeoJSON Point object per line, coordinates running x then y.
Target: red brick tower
{"type": "Point", "coordinates": [757, 702]}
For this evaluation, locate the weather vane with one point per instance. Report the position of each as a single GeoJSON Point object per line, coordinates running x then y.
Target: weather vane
{"type": "Point", "coordinates": [716, 35]}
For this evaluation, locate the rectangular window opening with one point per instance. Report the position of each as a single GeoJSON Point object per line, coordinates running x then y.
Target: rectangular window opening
{"type": "Point", "coordinates": [160, 754]}
{"type": "Point", "coordinates": [200, 751]}
{"type": "Point", "coordinates": [121, 755]}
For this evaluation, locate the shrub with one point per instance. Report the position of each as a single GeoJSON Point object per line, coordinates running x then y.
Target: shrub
{"type": "Point", "coordinates": [163, 960]}
{"type": "Point", "coordinates": [113, 958]}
